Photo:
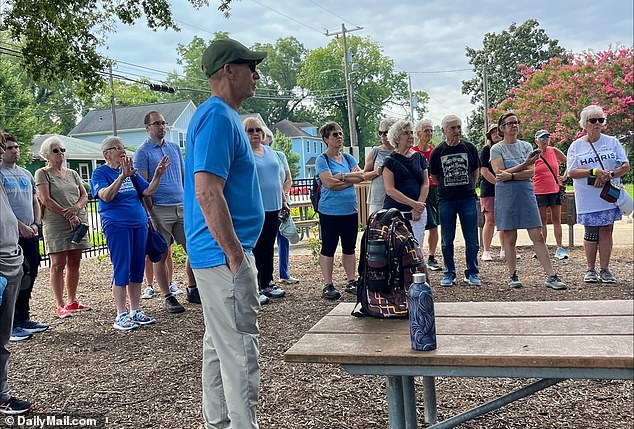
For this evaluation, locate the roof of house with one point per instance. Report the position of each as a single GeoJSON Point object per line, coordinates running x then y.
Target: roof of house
{"type": "Point", "coordinates": [128, 118]}
{"type": "Point", "coordinates": [290, 129]}
{"type": "Point", "coordinates": [75, 148]}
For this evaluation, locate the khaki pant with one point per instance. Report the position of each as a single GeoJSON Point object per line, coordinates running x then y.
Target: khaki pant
{"type": "Point", "coordinates": [230, 370]}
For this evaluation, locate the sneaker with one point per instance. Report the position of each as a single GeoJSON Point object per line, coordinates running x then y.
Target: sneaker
{"type": "Point", "coordinates": [174, 289]}
{"type": "Point", "coordinates": [273, 292]}
{"type": "Point", "coordinates": [605, 276]}
{"type": "Point", "coordinates": [448, 280]}
{"type": "Point", "coordinates": [591, 276]}
{"type": "Point", "coordinates": [554, 282]}
{"type": "Point", "coordinates": [473, 280]}
{"type": "Point", "coordinates": [514, 281]}
{"type": "Point", "coordinates": [76, 306]}
{"type": "Point", "coordinates": [172, 305]}
{"type": "Point", "coordinates": [502, 254]}
{"type": "Point", "coordinates": [432, 264]}
{"type": "Point", "coordinates": [289, 281]}
{"type": "Point", "coordinates": [19, 334]}
{"type": "Point", "coordinates": [63, 312]}
{"type": "Point", "coordinates": [351, 287]}
{"type": "Point", "coordinates": [330, 292]}
{"type": "Point", "coordinates": [192, 295]}
{"type": "Point", "coordinates": [263, 299]}
{"type": "Point", "coordinates": [124, 323]}
{"type": "Point", "coordinates": [561, 253]}
{"type": "Point", "coordinates": [33, 327]}
{"type": "Point", "coordinates": [15, 406]}
{"type": "Point", "coordinates": [140, 318]}
{"type": "Point", "coordinates": [486, 256]}
{"type": "Point", "coordinates": [148, 293]}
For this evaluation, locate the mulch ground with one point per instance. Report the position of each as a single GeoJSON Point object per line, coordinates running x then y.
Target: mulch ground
{"type": "Point", "coordinates": [150, 378]}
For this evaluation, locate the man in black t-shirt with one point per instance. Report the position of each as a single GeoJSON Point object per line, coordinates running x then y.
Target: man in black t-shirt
{"type": "Point", "coordinates": [454, 166]}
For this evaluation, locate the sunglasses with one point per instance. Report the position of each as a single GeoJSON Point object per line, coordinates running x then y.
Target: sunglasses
{"type": "Point", "coordinates": [509, 123]}
{"type": "Point", "coordinates": [116, 147]}
{"type": "Point", "coordinates": [254, 130]}
{"type": "Point", "coordinates": [595, 120]}
{"type": "Point", "coordinates": [158, 123]}
{"type": "Point", "coordinates": [56, 150]}
{"type": "Point", "coordinates": [251, 64]}
{"type": "Point", "coordinates": [407, 133]}
{"type": "Point", "coordinates": [336, 134]}
{"type": "Point", "coordinates": [383, 133]}
{"type": "Point", "coordinates": [545, 138]}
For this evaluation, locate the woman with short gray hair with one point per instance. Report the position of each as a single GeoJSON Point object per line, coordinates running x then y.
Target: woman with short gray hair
{"type": "Point", "coordinates": [373, 169]}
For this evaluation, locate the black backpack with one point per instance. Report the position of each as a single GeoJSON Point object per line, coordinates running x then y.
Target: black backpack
{"type": "Point", "coordinates": [390, 255]}
{"type": "Point", "coordinates": [315, 190]}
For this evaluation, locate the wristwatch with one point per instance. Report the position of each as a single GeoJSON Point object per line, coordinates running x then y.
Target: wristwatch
{"type": "Point", "coordinates": [612, 174]}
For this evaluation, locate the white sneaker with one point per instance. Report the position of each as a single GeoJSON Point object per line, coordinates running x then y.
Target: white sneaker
{"type": "Point", "coordinates": [486, 256]}
{"type": "Point", "coordinates": [502, 254]}
{"type": "Point", "coordinates": [174, 289]}
{"type": "Point", "coordinates": [148, 293]}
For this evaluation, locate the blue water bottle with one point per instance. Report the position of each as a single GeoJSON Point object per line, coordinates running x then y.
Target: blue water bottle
{"type": "Point", "coordinates": [422, 323]}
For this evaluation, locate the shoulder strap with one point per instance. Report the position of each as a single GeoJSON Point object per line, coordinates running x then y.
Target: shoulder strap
{"type": "Point", "coordinates": [345, 156]}
{"type": "Point", "coordinates": [404, 167]}
{"type": "Point", "coordinates": [551, 170]}
{"type": "Point", "coordinates": [139, 194]}
{"type": "Point", "coordinates": [597, 154]}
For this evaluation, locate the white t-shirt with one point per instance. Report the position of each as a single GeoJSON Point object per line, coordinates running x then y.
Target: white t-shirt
{"type": "Point", "coordinates": [581, 155]}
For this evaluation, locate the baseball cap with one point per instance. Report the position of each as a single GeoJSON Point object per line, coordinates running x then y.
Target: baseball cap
{"type": "Point", "coordinates": [226, 51]}
{"type": "Point", "coordinates": [542, 133]}
{"type": "Point", "coordinates": [491, 128]}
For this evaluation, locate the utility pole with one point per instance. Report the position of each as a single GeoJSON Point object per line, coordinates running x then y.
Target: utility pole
{"type": "Point", "coordinates": [486, 99]}
{"type": "Point", "coordinates": [350, 98]}
{"type": "Point", "coordinates": [411, 98]}
{"type": "Point", "coordinates": [114, 113]}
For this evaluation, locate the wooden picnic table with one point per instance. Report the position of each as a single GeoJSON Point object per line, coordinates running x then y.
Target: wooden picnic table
{"type": "Point", "coordinates": [549, 340]}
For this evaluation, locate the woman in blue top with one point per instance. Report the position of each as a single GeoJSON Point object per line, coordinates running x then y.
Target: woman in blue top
{"type": "Point", "coordinates": [338, 208]}
{"type": "Point", "coordinates": [125, 225]}
{"type": "Point", "coordinates": [268, 167]}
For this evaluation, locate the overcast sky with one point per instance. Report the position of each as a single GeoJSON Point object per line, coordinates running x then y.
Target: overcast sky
{"type": "Point", "coordinates": [420, 36]}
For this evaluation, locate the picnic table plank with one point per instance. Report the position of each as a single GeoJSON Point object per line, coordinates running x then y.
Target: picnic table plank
{"type": "Point", "coordinates": [590, 351]}
{"type": "Point", "coordinates": [587, 325]}
{"type": "Point", "coordinates": [532, 309]}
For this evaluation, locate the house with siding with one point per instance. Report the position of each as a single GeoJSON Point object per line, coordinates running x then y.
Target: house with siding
{"type": "Point", "coordinates": [306, 142]}
{"type": "Point", "coordinates": [97, 124]}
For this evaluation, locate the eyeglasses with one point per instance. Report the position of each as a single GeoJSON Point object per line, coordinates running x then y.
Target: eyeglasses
{"type": "Point", "coordinates": [383, 133]}
{"type": "Point", "coordinates": [254, 130]}
{"type": "Point", "coordinates": [595, 120]}
{"type": "Point", "coordinates": [158, 123]}
{"type": "Point", "coordinates": [120, 148]}
{"type": "Point", "coordinates": [251, 64]}
{"type": "Point", "coordinates": [56, 150]}
{"type": "Point", "coordinates": [509, 123]}
{"type": "Point", "coordinates": [407, 133]}
{"type": "Point", "coordinates": [336, 134]}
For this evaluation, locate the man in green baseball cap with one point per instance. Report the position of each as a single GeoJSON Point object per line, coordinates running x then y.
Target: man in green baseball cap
{"type": "Point", "coordinates": [224, 215]}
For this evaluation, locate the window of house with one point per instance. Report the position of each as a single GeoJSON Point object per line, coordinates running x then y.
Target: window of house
{"type": "Point", "coordinates": [84, 171]}
{"type": "Point", "coordinates": [181, 139]}
{"type": "Point", "coordinates": [307, 146]}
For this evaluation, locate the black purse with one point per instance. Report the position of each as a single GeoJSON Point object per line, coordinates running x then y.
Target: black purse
{"type": "Point", "coordinates": [611, 191]}
{"type": "Point", "coordinates": [156, 245]}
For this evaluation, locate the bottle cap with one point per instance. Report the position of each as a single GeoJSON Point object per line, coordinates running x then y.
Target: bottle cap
{"type": "Point", "coordinates": [419, 278]}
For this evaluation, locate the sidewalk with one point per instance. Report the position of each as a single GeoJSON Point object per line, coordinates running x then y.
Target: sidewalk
{"type": "Point", "coordinates": [623, 236]}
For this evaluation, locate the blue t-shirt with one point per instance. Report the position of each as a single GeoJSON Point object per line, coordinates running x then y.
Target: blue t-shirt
{"type": "Point", "coordinates": [19, 186]}
{"type": "Point", "coordinates": [148, 156]}
{"type": "Point", "coordinates": [268, 167]}
{"type": "Point", "coordinates": [125, 209]}
{"type": "Point", "coordinates": [217, 144]}
{"type": "Point", "coordinates": [344, 201]}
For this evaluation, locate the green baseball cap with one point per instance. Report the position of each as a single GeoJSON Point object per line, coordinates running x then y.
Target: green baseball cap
{"type": "Point", "coordinates": [226, 51]}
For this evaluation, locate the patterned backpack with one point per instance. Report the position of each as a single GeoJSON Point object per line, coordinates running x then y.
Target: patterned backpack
{"type": "Point", "coordinates": [390, 255]}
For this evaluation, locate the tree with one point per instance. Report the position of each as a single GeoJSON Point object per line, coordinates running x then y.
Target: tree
{"type": "Point", "coordinates": [376, 85]}
{"type": "Point", "coordinates": [501, 57]}
{"type": "Point", "coordinates": [284, 144]}
{"type": "Point", "coordinates": [552, 96]}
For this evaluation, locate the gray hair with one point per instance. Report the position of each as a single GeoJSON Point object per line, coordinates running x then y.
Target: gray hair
{"type": "Point", "coordinates": [422, 123]}
{"type": "Point", "coordinates": [396, 130]}
{"type": "Point", "coordinates": [386, 123]}
{"type": "Point", "coordinates": [110, 141]}
{"type": "Point", "coordinates": [45, 148]}
{"type": "Point", "coordinates": [592, 109]}
{"type": "Point", "coordinates": [450, 118]}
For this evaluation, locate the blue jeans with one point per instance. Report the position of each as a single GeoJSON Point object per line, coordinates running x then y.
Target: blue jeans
{"type": "Point", "coordinates": [467, 211]}
{"type": "Point", "coordinates": [282, 256]}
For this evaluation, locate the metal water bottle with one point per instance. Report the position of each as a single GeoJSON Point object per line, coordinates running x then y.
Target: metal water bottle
{"type": "Point", "coordinates": [422, 323]}
{"type": "Point", "coordinates": [377, 265]}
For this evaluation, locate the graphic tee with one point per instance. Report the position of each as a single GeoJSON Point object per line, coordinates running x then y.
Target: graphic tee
{"type": "Point", "coordinates": [454, 166]}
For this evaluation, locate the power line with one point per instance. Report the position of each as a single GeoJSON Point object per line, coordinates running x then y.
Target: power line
{"type": "Point", "coordinates": [332, 13]}
{"type": "Point", "coordinates": [287, 16]}
{"type": "Point", "coordinates": [437, 71]}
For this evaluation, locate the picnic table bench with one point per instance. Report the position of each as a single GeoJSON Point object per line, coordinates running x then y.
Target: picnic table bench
{"type": "Point", "coordinates": [549, 340]}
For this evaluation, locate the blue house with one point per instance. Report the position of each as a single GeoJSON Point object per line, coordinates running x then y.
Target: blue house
{"type": "Point", "coordinates": [97, 124]}
{"type": "Point", "coordinates": [306, 142]}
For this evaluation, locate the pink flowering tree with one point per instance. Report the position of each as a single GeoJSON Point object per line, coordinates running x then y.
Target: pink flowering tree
{"type": "Point", "coordinates": [552, 96]}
